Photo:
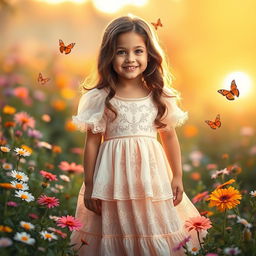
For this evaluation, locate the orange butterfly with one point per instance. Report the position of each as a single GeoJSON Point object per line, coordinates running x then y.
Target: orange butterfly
{"type": "Point", "coordinates": [66, 49]}
{"type": "Point", "coordinates": [214, 124]}
{"type": "Point", "coordinates": [230, 95]}
{"type": "Point", "coordinates": [157, 24]}
{"type": "Point", "coordinates": [42, 80]}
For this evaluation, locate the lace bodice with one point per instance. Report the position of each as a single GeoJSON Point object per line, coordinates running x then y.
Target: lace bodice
{"type": "Point", "coordinates": [135, 115]}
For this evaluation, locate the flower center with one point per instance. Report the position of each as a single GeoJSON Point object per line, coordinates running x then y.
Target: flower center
{"type": "Point", "coordinates": [19, 186]}
{"type": "Point", "coordinates": [24, 196]}
{"type": "Point", "coordinates": [48, 235]}
{"type": "Point", "coordinates": [24, 238]}
{"type": "Point", "coordinates": [224, 198]}
{"type": "Point", "coordinates": [26, 226]}
{"type": "Point", "coordinates": [19, 177]}
{"type": "Point", "coordinates": [70, 223]}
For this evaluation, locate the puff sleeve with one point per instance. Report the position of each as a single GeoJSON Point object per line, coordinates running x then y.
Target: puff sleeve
{"type": "Point", "coordinates": [90, 113]}
{"type": "Point", "coordinates": [174, 116]}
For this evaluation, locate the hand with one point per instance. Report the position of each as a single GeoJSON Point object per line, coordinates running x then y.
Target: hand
{"type": "Point", "coordinates": [91, 204]}
{"type": "Point", "coordinates": [177, 189]}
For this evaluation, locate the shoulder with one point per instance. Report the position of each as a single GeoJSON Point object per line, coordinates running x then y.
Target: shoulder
{"type": "Point", "coordinates": [95, 93]}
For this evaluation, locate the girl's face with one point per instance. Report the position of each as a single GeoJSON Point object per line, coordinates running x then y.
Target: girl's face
{"type": "Point", "coordinates": [131, 56]}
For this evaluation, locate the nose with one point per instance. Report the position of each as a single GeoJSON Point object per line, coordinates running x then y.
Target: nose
{"type": "Point", "coordinates": [130, 58]}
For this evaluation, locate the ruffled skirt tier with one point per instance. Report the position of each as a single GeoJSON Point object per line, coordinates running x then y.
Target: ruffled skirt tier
{"type": "Point", "coordinates": [133, 181]}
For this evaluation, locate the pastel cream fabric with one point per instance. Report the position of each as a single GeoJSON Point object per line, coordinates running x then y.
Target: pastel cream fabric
{"type": "Point", "coordinates": [133, 179]}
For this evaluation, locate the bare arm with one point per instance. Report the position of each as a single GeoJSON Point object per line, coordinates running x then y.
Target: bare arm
{"type": "Point", "coordinates": [171, 147]}
{"type": "Point", "coordinates": [91, 150]}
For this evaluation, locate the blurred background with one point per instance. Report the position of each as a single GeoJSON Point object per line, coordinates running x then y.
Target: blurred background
{"type": "Point", "coordinates": [208, 44]}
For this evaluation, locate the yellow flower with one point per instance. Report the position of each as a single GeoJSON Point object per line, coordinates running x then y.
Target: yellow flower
{"type": "Point", "coordinates": [5, 229]}
{"type": "Point", "coordinates": [9, 110]}
{"type": "Point", "coordinates": [226, 198]}
{"type": "Point", "coordinates": [27, 148]}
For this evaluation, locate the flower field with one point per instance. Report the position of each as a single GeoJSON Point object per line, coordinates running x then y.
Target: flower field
{"type": "Point", "coordinates": [41, 155]}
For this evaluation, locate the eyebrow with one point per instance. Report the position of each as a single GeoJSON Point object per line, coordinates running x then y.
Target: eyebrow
{"type": "Point", "coordinates": [139, 46]}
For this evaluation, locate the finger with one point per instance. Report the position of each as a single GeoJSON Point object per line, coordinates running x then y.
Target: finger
{"type": "Point", "coordinates": [179, 197]}
{"type": "Point", "coordinates": [174, 191]}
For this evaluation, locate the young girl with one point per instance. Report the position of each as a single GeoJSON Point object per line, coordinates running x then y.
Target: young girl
{"type": "Point", "coordinates": [132, 201]}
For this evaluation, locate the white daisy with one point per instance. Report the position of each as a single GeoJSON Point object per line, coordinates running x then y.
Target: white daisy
{"type": "Point", "coordinates": [19, 176]}
{"type": "Point", "coordinates": [194, 250]}
{"type": "Point", "coordinates": [7, 166]}
{"type": "Point", "coordinates": [59, 186]}
{"type": "Point", "coordinates": [5, 149]}
{"type": "Point", "coordinates": [22, 152]}
{"type": "Point", "coordinates": [65, 178]}
{"type": "Point", "coordinates": [232, 250]}
{"type": "Point", "coordinates": [24, 195]}
{"type": "Point", "coordinates": [20, 185]}
{"type": "Point", "coordinates": [244, 222]}
{"type": "Point", "coordinates": [253, 193]}
{"type": "Point", "coordinates": [24, 237]}
{"type": "Point", "coordinates": [27, 225]}
{"type": "Point", "coordinates": [48, 236]}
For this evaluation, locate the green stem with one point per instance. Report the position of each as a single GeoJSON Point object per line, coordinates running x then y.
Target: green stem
{"type": "Point", "coordinates": [199, 240]}
{"type": "Point", "coordinates": [224, 224]}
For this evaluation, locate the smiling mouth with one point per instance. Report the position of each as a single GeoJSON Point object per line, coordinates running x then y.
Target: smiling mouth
{"type": "Point", "coordinates": [130, 68]}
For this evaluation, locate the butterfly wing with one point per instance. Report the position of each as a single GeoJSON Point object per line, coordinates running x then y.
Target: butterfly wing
{"type": "Point", "coordinates": [234, 89]}
{"type": "Point", "coordinates": [69, 47]}
{"type": "Point", "coordinates": [217, 121]}
{"type": "Point", "coordinates": [159, 23]}
{"type": "Point", "coordinates": [40, 77]}
{"type": "Point", "coordinates": [62, 46]}
{"type": "Point", "coordinates": [42, 80]}
{"type": "Point", "coordinates": [211, 124]}
{"type": "Point", "coordinates": [229, 95]}
{"type": "Point", "coordinates": [155, 25]}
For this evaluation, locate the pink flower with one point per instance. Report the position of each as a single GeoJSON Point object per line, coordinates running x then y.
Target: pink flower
{"type": "Point", "coordinates": [211, 254]}
{"type": "Point", "coordinates": [198, 223]}
{"type": "Point", "coordinates": [181, 244]}
{"type": "Point", "coordinates": [21, 92]}
{"type": "Point", "coordinates": [33, 216]}
{"type": "Point", "coordinates": [50, 202]}
{"type": "Point", "coordinates": [70, 222]}
{"type": "Point", "coordinates": [73, 167]}
{"type": "Point", "coordinates": [199, 197]}
{"type": "Point", "coordinates": [11, 203]}
{"type": "Point", "coordinates": [48, 175]}
{"type": "Point", "coordinates": [57, 231]}
{"type": "Point", "coordinates": [23, 119]}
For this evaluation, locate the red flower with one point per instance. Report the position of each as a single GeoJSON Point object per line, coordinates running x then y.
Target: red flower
{"type": "Point", "coordinates": [73, 167]}
{"type": "Point", "coordinates": [48, 175]}
{"type": "Point", "coordinates": [199, 197]}
{"type": "Point", "coordinates": [70, 222]}
{"type": "Point", "coordinates": [50, 202]}
{"type": "Point", "coordinates": [198, 223]}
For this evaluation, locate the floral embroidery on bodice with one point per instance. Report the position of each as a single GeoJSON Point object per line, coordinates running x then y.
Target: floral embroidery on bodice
{"type": "Point", "coordinates": [135, 117]}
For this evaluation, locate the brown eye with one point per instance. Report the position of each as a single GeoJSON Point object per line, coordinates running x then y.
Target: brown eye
{"type": "Point", "coordinates": [120, 52]}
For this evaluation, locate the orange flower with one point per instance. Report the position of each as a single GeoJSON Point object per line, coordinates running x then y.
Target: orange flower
{"type": "Point", "coordinates": [56, 149]}
{"type": "Point", "coordinates": [226, 198]}
{"type": "Point", "coordinates": [9, 110]}
{"type": "Point", "coordinates": [6, 185]}
{"type": "Point", "coordinates": [195, 176]}
{"type": "Point", "coordinates": [9, 124]}
{"type": "Point", "coordinates": [226, 183]}
{"type": "Point", "coordinates": [69, 126]}
{"type": "Point", "coordinates": [59, 105]}
{"type": "Point", "coordinates": [198, 223]}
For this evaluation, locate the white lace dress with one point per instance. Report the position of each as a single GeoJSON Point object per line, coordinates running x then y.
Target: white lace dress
{"type": "Point", "coordinates": [133, 179]}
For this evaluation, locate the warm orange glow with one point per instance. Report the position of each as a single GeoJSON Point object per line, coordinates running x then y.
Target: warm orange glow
{"type": "Point", "coordinates": [112, 6]}
{"type": "Point", "coordinates": [62, 1]}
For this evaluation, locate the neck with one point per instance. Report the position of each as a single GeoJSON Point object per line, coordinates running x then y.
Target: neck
{"type": "Point", "coordinates": [135, 83]}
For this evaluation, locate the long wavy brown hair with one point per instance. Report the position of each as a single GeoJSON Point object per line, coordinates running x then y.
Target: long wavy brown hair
{"type": "Point", "coordinates": [156, 74]}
